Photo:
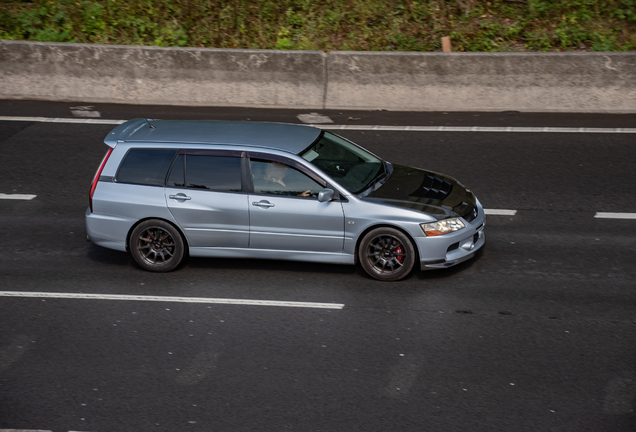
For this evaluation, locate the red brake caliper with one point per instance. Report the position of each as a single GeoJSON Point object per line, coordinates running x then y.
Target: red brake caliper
{"type": "Point", "coordinates": [399, 250]}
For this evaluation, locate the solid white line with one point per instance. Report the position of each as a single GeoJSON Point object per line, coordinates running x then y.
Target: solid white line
{"type": "Point", "coordinates": [477, 129]}
{"type": "Point", "coordinates": [372, 127]}
{"type": "Point", "coordinates": [500, 212]}
{"type": "Point", "coordinates": [63, 120]}
{"type": "Point", "coordinates": [606, 215]}
{"type": "Point", "coordinates": [170, 299]}
{"type": "Point", "coordinates": [16, 197]}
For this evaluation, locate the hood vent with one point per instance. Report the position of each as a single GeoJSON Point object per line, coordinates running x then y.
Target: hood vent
{"type": "Point", "coordinates": [433, 188]}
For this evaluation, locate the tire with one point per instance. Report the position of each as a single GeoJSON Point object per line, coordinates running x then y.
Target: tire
{"type": "Point", "coordinates": [386, 254]}
{"type": "Point", "coordinates": [156, 246]}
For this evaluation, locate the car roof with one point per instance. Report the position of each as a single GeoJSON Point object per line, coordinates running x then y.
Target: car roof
{"type": "Point", "coordinates": [291, 138]}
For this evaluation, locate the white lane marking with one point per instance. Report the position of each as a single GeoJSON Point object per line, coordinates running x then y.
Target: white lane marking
{"type": "Point", "coordinates": [500, 212]}
{"type": "Point", "coordinates": [63, 120]}
{"type": "Point", "coordinates": [85, 111]}
{"type": "Point", "coordinates": [314, 118]}
{"type": "Point", "coordinates": [16, 197]}
{"type": "Point", "coordinates": [475, 129]}
{"type": "Point", "coordinates": [170, 299]}
{"type": "Point", "coordinates": [607, 215]}
{"type": "Point", "coordinates": [24, 430]}
{"type": "Point", "coordinates": [90, 114]}
{"type": "Point", "coordinates": [369, 127]}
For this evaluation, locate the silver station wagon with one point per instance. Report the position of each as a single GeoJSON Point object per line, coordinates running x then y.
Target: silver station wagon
{"type": "Point", "coordinates": [167, 189]}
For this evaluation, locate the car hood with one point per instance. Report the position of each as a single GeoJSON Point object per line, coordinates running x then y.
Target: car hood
{"type": "Point", "coordinates": [428, 192]}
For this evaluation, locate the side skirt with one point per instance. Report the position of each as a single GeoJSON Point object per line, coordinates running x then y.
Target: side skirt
{"type": "Point", "coordinates": [321, 257]}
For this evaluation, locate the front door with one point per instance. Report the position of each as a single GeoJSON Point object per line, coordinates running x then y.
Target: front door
{"type": "Point", "coordinates": [285, 214]}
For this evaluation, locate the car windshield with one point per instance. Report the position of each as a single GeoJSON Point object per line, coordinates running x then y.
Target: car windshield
{"type": "Point", "coordinates": [351, 166]}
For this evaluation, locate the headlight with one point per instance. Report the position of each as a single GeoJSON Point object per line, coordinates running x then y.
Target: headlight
{"type": "Point", "coordinates": [442, 227]}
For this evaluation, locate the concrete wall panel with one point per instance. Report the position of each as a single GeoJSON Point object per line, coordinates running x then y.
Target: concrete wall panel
{"type": "Point", "coordinates": [568, 82]}
{"type": "Point", "coordinates": [151, 75]}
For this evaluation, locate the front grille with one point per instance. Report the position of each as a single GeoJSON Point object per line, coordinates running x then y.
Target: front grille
{"type": "Point", "coordinates": [433, 188]}
{"type": "Point", "coordinates": [452, 247]}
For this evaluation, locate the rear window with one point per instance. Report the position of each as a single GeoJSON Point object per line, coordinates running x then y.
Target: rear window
{"type": "Point", "coordinates": [145, 166]}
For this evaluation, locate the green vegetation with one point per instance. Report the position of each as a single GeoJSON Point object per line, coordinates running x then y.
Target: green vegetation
{"type": "Point", "coordinates": [371, 25]}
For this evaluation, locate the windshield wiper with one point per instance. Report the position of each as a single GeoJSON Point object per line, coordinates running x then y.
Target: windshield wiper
{"type": "Point", "coordinates": [377, 181]}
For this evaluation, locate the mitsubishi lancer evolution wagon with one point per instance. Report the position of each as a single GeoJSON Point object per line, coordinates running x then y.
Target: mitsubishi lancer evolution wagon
{"type": "Point", "coordinates": [170, 189]}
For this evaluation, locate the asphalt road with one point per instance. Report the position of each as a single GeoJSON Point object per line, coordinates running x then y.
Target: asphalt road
{"type": "Point", "coordinates": [535, 334]}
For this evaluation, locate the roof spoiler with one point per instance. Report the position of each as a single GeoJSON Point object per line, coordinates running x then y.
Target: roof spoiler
{"type": "Point", "coordinates": [124, 130]}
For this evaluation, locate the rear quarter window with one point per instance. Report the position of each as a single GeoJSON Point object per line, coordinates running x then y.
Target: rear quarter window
{"type": "Point", "coordinates": [145, 166]}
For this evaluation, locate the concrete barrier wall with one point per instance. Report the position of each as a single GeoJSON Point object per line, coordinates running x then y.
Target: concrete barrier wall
{"type": "Point", "coordinates": [167, 76]}
{"type": "Point", "coordinates": [565, 82]}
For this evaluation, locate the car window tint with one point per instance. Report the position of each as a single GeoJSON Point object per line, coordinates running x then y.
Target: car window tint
{"type": "Point", "coordinates": [218, 173]}
{"type": "Point", "coordinates": [145, 166]}
{"type": "Point", "coordinates": [177, 175]}
{"type": "Point", "coordinates": [275, 178]}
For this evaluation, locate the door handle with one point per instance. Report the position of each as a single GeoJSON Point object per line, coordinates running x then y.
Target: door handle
{"type": "Point", "coordinates": [179, 197]}
{"type": "Point", "coordinates": [262, 204]}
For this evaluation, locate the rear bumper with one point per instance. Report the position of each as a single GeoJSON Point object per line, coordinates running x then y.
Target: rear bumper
{"type": "Point", "coordinates": [107, 231]}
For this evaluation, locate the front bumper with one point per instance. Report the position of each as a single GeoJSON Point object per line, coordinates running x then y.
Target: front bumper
{"type": "Point", "coordinates": [463, 248]}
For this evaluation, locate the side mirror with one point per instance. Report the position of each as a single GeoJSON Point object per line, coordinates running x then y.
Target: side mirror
{"type": "Point", "coordinates": [325, 195]}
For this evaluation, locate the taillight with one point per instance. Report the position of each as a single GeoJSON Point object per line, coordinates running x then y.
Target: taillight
{"type": "Point", "coordinates": [96, 179]}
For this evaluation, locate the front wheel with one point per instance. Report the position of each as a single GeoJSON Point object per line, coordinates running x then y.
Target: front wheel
{"type": "Point", "coordinates": [156, 246]}
{"type": "Point", "coordinates": [386, 254]}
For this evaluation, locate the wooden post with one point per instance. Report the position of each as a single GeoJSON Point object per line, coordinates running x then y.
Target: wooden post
{"type": "Point", "coordinates": [446, 44]}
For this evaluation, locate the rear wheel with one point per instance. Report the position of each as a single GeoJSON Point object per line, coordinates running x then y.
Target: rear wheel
{"type": "Point", "coordinates": [386, 254]}
{"type": "Point", "coordinates": [156, 246]}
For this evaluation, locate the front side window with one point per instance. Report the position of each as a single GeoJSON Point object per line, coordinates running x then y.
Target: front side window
{"type": "Point", "coordinates": [350, 165]}
{"type": "Point", "coordinates": [145, 166]}
{"type": "Point", "coordinates": [276, 178]}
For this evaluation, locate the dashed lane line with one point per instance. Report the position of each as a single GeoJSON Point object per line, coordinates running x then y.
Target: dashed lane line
{"type": "Point", "coordinates": [63, 120]}
{"type": "Point", "coordinates": [85, 111]}
{"type": "Point", "coordinates": [28, 430]}
{"type": "Point", "coordinates": [45, 295]}
{"type": "Point", "coordinates": [314, 118]}
{"type": "Point", "coordinates": [500, 212]}
{"type": "Point", "coordinates": [607, 215]}
{"type": "Point", "coordinates": [24, 430]}
{"type": "Point", "coordinates": [16, 197]}
{"type": "Point", "coordinates": [510, 129]}
{"type": "Point", "coordinates": [488, 212]}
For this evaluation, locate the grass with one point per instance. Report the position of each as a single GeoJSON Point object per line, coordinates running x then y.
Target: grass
{"type": "Point", "coordinates": [372, 25]}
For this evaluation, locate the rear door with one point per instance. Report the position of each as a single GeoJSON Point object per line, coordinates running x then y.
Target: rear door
{"type": "Point", "coordinates": [206, 196]}
{"type": "Point", "coordinates": [285, 214]}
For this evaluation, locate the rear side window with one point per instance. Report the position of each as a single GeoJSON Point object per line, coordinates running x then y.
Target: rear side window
{"type": "Point", "coordinates": [217, 173]}
{"type": "Point", "coordinates": [145, 166]}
